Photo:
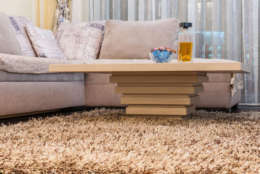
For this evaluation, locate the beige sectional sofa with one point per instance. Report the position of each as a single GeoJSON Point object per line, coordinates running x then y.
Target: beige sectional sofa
{"type": "Point", "coordinates": [26, 86]}
{"type": "Point", "coordinates": [29, 93]}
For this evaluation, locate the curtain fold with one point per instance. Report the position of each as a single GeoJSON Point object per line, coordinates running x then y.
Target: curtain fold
{"type": "Point", "coordinates": [51, 13]}
{"type": "Point", "coordinates": [45, 17]}
{"type": "Point", "coordinates": [63, 13]}
{"type": "Point", "coordinates": [225, 29]}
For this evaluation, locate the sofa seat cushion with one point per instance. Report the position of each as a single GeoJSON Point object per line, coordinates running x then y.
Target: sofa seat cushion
{"type": "Point", "coordinates": [99, 91]}
{"type": "Point", "coordinates": [98, 78]}
{"type": "Point", "coordinates": [58, 77]}
{"type": "Point", "coordinates": [220, 77]}
{"type": "Point", "coordinates": [23, 64]}
{"type": "Point", "coordinates": [30, 65]}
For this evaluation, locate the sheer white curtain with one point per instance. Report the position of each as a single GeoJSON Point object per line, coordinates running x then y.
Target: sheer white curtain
{"type": "Point", "coordinates": [227, 29]}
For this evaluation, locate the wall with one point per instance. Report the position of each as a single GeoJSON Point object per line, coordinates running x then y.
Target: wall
{"type": "Point", "coordinates": [18, 8]}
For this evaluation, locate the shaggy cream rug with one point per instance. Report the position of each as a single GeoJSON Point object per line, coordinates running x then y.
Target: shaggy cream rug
{"type": "Point", "coordinates": [103, 142]}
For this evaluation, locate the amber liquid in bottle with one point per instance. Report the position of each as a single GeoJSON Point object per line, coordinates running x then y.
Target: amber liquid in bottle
{"type": "Point", "coordinates": [185, 51]}
{"type": "Point", "coordinates": [185, 42]}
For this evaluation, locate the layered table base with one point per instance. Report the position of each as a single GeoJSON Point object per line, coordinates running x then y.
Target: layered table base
{"type": "Point", "coordinates": [157, 93]}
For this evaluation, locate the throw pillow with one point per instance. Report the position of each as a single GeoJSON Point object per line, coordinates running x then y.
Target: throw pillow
{"type": "Point", "coordinates": [84, 25]}
{"type": "Point", "coordinates": [9, 43]}
{"type": "Point", "coordinates": [134, 40]}
{"type": "Point", "coordinates": [44, 42]}
{"type": "Point", "coordinates": [79, 42]}
{"type": "Point", "coordinates": [98, 24]}
{"type": "Point", "coordinates": [19, 24]}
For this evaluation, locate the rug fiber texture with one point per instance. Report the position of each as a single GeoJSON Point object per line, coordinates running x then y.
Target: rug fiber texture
{"type": "Point", "coordinates": [106, 141]}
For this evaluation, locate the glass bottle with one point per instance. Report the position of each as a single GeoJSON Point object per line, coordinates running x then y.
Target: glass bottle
{"type": "Point", "coordinates": [185, 43]}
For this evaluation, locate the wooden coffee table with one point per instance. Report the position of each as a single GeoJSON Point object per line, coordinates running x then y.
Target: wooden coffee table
{"type": "Point", "coordinates": [156, 89]}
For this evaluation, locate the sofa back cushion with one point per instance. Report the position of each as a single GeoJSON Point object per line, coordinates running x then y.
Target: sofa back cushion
{"type": "Point", "coordinates": [80, 42]}
{"type": "Point", "coordinates": [44, 42]}
{"type": "Point", "coordinates": [134, 40]}
{"type": "Point", "coordinates": [19, 24]}
{"type": "Point", "coordinates": [8, 42]}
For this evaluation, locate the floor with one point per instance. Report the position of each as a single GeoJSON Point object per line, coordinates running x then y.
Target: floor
{"type": "Point", "coordinates": [68, 111]}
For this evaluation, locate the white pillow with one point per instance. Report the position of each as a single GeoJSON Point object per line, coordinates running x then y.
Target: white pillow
{"type": "Point", "coordinates": [80, 43]}
{"type": "Point", "coordinates": [19, 24]}
{"type": "Point", "coordinates": [44, 43]}
{"type": "Point", "coordinates": [8, 41]}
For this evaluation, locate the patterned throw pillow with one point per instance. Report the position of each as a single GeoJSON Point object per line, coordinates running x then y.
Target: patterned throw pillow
{"type": "Point", "coordinates": [44, 42]}
{"type": "Point", "coordinates": [80, 42]}
{"type": "Point", "coordinates": [84, 25]}
{"type": "Point", "coordinates": [19, 24]}
{"type": "Point", "coordinates": [98, 24]}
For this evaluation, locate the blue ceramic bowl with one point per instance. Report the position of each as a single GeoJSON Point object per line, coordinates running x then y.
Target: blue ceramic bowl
{"type": "Point", "coordinates": [161, 56]}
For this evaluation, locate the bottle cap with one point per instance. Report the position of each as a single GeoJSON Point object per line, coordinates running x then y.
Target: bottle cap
{"type": "Point", "coordinates": [185, 25]}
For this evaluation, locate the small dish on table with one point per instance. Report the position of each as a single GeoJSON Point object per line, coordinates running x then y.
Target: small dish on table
{"type": "Point", "coordinates": [162, 54]}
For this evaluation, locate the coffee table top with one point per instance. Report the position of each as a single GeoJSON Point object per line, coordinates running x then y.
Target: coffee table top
{"type": "Point", "coordinates": [135, 65]}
